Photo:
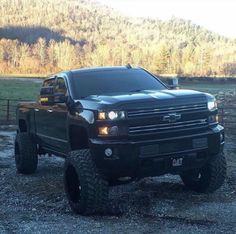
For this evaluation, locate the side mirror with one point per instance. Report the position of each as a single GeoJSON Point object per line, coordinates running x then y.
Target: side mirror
{"type": "Point", "coordinates": [60, 98]}
{"type": "Point", "coordinates": [47, 96]}
{"type": "Point", "coordinates": [173, 83]}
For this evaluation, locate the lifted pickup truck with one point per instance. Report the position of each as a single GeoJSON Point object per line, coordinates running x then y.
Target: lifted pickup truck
{"type": "Point", "coordinates": [118, 124]}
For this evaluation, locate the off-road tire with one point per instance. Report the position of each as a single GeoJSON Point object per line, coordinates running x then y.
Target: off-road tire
{"type": "Point", "coordinates": [26, 157]}
{"type": "Point", "coordinates": [86, 190]}
{"type": "Point", "coordinates": [209, 178]}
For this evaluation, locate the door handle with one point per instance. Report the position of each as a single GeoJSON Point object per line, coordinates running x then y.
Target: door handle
{"type": "Point", "coordinates": [50, 111]}
{"type": "Point", "coordinates": [37, 110]}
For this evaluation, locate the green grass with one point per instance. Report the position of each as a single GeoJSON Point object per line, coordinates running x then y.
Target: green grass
{"type": "Point", "coordinates": [29, 90]}
{"type": "Point", "coordinates": [214, 88]}
{"type": "Point", "coordinates": [19, 89]}
{"type": "Point", "coordinates": [15, 90]}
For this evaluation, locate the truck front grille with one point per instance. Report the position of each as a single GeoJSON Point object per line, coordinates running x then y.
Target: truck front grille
{"type": "Point", "coordinates": [158, 121]}
{"type": "Point", "coordinates": [191, 108]}
{"type": "Point", "coordinates": [169, 127]}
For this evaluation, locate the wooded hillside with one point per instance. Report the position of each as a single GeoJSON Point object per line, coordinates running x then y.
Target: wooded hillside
{"type": "Point", "coordinates": [50, 35]}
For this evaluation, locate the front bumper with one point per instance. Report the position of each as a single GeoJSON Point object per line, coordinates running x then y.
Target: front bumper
{"type": "Point", "coordinates": [153, 157]}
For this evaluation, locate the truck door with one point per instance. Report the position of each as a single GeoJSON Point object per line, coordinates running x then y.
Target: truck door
{"type": "Point", "coordinates": [43, 118]}
{"type": "Point", "coordinates": [58, 117]}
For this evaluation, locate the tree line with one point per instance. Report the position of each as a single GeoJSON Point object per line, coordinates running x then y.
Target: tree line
{"type": "Point", "coordinates": [51, 35]}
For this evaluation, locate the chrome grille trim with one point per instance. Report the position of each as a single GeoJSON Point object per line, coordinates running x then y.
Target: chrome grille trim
{"type": "Point", "coordinates": [169, 127]}
{"type": "Point", "coordinates": [150, 112]}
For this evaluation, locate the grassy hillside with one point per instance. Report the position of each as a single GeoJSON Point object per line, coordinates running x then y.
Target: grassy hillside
{"type": "Point", "coordinates": [50, 35]}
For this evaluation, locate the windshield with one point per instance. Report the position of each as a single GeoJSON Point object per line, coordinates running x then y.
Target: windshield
{"type": "Point", "coordinates": [113, 81]}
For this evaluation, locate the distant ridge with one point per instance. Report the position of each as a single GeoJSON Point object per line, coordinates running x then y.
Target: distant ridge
{"type": "Point", "coordinates": [50, 35]}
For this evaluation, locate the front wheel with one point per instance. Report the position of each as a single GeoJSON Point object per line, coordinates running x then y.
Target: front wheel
{"type": "Point", "coordinates": [85, 188]}
{"type": "Point", "coordinates": [207, 179]}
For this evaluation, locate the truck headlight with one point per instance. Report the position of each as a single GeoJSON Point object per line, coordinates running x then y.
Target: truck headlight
{"type": "Point", "coordinates": [212, 105]}
{"type": "Point", "coordinates": [111, 115]}
{"type": "Point", "coordinates": [112, 131]}
{"type": "Point", "coordinates": [108, 131]}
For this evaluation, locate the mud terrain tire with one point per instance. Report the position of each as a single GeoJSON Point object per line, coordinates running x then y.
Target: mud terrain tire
{"type": "Point", "coordinates": [86, 190]}
{"type": "Point", "coordinates": [26, 157]}
{"type": "Point", "coordinates": [209, 178]}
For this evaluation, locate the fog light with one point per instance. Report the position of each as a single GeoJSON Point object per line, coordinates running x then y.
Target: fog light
{"type": "Point", "coordinates": [108, 152]}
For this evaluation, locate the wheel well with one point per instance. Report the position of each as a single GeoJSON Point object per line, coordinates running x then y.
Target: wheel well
{"type": "Point", "coordinates": [78, 137]}
{"type": "Point", "coordinates": [22, 125]}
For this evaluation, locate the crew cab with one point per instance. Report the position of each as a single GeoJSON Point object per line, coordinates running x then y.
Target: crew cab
{"type": "Point", "coordinates": [114, 125]}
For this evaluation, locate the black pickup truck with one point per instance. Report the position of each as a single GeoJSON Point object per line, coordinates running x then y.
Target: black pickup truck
{"type": "Point", "coordinates": [118, 124]}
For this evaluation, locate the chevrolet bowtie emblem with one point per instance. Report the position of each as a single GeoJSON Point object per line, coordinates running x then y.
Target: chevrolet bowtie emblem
{"type": "Point", "coordinates": [171, 118]}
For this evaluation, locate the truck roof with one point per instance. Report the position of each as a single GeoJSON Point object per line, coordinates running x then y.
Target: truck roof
{"type": "Point", "coordinates": [95, 69]}
{"type": "Point", "coordinates": [74, 72]}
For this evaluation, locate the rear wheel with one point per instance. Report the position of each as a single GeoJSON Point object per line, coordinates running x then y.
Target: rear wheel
{"type": "Point", "coordinates": [85, 188]}
{"type": "Point", "coordinates": [26, 157]}
{"type": "Point", "coordinates": [207, 179]}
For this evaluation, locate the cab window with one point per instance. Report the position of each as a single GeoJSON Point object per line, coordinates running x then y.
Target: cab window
{"type": "Point", "coordinates": [49, 83]}
{"type": "Point", "coordinates": [60, 87]}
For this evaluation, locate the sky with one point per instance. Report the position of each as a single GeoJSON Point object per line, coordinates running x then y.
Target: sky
{"type": "Point", "coordinates": [216, 15]}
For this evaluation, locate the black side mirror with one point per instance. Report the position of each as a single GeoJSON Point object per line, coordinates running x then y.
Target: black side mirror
{"type": "Point", "coordinates": [173, 83]}
{"type": "Point", "coordinates": [60, 98]}
{"type": "Point", "coordinates": [47, 96]}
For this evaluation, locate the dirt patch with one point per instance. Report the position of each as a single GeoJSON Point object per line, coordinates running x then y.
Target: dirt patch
{"type": "Point", "coordinates": [37, 203]}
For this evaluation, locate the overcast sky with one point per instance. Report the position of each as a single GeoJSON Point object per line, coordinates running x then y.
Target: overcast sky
{"type": "Point", "coordinates": [216, 15]}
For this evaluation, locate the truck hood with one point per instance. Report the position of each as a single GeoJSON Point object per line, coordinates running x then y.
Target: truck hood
{"type": "Point", "coordinates": [145, 98]}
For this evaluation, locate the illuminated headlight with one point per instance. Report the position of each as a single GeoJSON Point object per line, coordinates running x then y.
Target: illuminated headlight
{"type": "Point", "coordinates": [108, 131]}
{"type": "Point", "coordinates": [112, 131]}
{"type": "Point", "coordinates": [111, 115]}
{"type": "Point", "coordinates": [212, 105]}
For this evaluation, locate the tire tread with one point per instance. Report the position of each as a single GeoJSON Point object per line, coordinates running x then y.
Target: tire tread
{"type": "Point", "coordinates": [214, 174]}
{"type": "Point", "coordinates": [28, 154]}
{"type": "Point", "coordinates": [96, 187]}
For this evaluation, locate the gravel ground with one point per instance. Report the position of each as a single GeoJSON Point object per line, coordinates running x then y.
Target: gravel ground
{"type": "Point", "coordinates": [37, 203]}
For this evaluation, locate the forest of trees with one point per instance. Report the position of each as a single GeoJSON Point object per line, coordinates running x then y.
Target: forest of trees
{"type": "Point", "coordinates": [42, 37]}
